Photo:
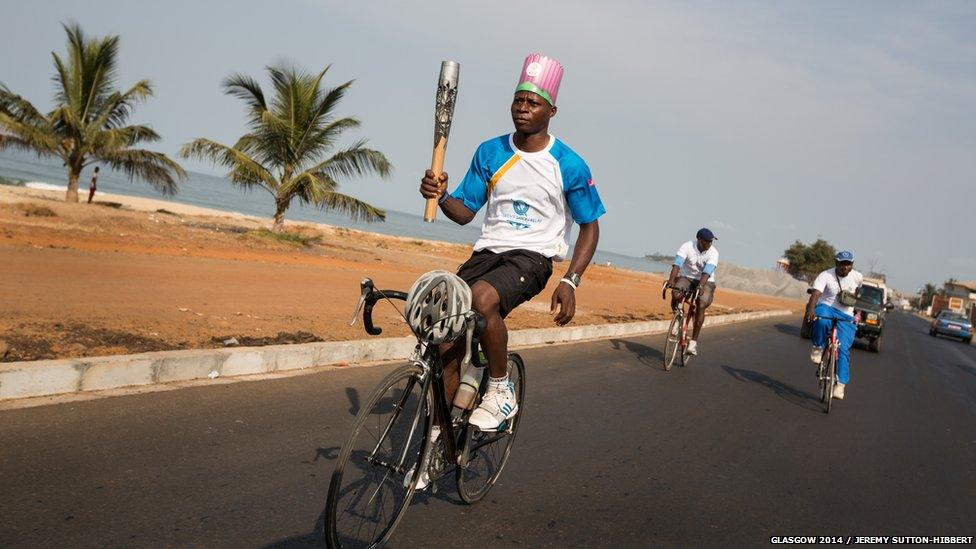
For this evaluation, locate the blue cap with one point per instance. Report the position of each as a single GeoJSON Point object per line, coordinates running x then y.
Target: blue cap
{"type": "Point", "coordinates": [706, 234]}
{"type": "Point", "coordinates": [845, 256]}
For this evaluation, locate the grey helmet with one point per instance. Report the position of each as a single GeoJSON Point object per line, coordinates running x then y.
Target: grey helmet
{"type": "Point", "coordinates": [436, 306]}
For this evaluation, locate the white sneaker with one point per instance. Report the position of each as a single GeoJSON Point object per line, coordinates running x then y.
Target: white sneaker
{"type": "Point", "coordinates": [816, 354]}
{"type": "Point", "coordinates": [424, 480]}
{"type": "Point", "coordinates": [692, 348]}
{"type": "Point", "coordinates": [496, 407]}
{"type": "Point", "coordinates": [839, 391]}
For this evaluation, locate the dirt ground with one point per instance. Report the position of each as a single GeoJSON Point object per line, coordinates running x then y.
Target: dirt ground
{"type": "Point", "coordinates": [129, 275]}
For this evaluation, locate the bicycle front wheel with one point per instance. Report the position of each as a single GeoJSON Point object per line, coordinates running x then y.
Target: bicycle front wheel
{"type": "Point", "coordinates": [831, 376]}
{"type": "Point", "coordinates": [374, 477]}
{"type": "Point", "coordinates": [822, 377]}
{"type": "Point", "coordinates": [484, 453]}
{"type": "Point", "coordinates": [671, 342]}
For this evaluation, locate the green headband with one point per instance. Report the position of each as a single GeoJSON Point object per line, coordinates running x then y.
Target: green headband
{"type": "Point", "coordinates": [529, 86]}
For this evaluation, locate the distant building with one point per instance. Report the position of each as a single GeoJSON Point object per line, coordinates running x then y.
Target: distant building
{"type": "Point", "coordinates": [783, 264]}
{"type": "Point", "coordinates": [962, 295]}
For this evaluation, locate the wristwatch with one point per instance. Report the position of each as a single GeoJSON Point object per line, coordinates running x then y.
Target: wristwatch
{"type": "Point", "coordinates": [573, 279]}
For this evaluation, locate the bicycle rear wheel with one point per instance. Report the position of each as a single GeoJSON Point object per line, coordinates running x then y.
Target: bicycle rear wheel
{"type": "Point", "coordinates": [484, 453]}
{"type": "Point", "coordinates": [671, 341]}
{"type": "Point", "coordinates": [368, 493]}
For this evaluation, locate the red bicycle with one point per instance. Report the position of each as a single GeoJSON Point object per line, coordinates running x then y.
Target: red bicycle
{"type": "Point", "coordinates": [678, 332]}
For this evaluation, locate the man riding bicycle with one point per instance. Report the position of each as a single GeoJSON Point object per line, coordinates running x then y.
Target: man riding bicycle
{"type": "Point", "coordinates": [534, 187]}
{"type": "Point", "coordinates": [830, 290]}
{"type": "Point", "coordinates": [694, 267]}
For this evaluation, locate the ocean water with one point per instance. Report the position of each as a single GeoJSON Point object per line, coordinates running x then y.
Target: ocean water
{"type": "Point", "coordinates": [218, 193]}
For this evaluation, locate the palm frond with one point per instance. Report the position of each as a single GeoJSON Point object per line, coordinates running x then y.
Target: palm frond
{"type": "Point", "coordinates": [118, 106]}
{"type": "Point", "coordinates": [320, 114]}
{"type": "Point", "coordinates": [19, 108]}
{"type": "Point", "coordinates": [244, 170]}
{"type": "Point", "coordinates": [17, 134]}
{"type": "Point", "coordinates": [120, 138]}
{"type": "Point", "coordinates": [317, 190]}
{"type": "Point", "coordinates": [323, 139]}
{"type": "Point", "coordinates": [354, 161]}
{"type": "Point", "coordinates": [91, 71]}
{"type": "Point", "coordinates": [155, 168]}
{"type": "Point", "coordinates": [248, 90]}
{"type": "Point", "coordinates": [353, 207]}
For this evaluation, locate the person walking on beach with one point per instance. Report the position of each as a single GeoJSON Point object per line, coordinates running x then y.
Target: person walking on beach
{"type": "Point", "coordinates": [534, 187]}
{"type": "Point", "coordinates": [93, 186]}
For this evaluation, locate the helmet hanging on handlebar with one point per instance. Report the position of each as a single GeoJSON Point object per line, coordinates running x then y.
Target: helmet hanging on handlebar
{"type": "Point", "coordinates": [436, 306]}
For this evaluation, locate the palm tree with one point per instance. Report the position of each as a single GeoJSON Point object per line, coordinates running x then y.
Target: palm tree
{"type": "Point", "coordinates": [282, 153]}
{"type": "Point", "coordinates": [88, 123]}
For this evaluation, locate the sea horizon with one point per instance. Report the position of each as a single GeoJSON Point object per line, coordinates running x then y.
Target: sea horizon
{"type": "Point", "coordinates": [215, 192]}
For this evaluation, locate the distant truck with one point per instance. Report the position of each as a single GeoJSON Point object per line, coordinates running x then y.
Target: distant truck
{"type": "Point", "coordinates": [870, 311]}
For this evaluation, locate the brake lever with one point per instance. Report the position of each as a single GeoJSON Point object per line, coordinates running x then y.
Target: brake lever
{"type": "Point", "coordinates": [366, 288]}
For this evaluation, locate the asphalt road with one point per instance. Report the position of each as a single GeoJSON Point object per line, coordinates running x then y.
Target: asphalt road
{"type": "Point", "coordinates": [612, 451]}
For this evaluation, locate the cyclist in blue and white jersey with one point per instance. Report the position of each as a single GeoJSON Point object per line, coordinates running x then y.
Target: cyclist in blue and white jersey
{"type": "Point", "coordinates": [533, 188]}
{"type": "Point", "coordinates": [825, 304]}
{"type": "Point", "coordinates": [694, 267]}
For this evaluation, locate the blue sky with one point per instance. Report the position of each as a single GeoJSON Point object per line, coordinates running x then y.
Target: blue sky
{"type": "Point", "coordinates": [766, 121]}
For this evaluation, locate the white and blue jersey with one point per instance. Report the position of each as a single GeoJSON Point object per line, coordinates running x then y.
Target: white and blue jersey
{"type": "Point", "coordinates": [692, 262]}
{"type": "Point", "coordinates": [533, 198]}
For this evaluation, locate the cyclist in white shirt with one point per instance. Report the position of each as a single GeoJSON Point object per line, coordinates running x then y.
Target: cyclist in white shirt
{"type": "Point", "coordinates": [825, 304]}
{"type": "Point", "coordinates": [694, 266]}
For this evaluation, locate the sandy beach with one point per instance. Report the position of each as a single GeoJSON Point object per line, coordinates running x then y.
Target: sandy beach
{"type": "Point", "coordinates": [128, 274]}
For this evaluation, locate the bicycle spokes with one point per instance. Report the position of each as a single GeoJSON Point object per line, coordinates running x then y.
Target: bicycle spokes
{"type": "Point", "coordinates": [368, 492]}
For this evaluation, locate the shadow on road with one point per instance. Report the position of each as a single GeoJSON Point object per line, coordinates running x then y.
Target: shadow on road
{"type": "Point", "coordinates": [967, 369]}
{"type": "Point", "coordinates": [353, 395]}
{"type": "Point", "coordinates": [314, 539]}
{"type": "Point", "coordinates": [648, 356]}
{"type": "Point", "coordinates": [788, 329]}
{"type": "Point", "coordinates": [792, 395]}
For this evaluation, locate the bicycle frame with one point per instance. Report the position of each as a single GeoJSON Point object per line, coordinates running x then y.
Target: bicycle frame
{"type": "Point", "coordinates": [692, 302]}
{"type": "Point", "coordinates": [833, 344]}
{"type": "Point", "coordinates": [689, 298]}
{"type": "Point", "coordinates": [428, 358]}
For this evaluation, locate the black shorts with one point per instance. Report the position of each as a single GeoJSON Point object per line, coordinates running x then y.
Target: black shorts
{"type": "Point", "coordinates": [517, 275]}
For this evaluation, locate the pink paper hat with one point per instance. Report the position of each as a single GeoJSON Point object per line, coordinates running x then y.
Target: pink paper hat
{"type": "Point", "coordinates": [541, 75]}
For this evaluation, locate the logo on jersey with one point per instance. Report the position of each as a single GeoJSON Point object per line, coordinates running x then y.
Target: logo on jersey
{"type": "Point", "coordinates": [519, 218]}
{"type": "Point", "coordinates": [589, 182]}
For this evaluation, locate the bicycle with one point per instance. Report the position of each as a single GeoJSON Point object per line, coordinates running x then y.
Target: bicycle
{"type": "Point", "coordinates": [827, 371]}
{"type": "Point", "coordinates": [390, 443]}
{"type": "Point", "coordinates": [677, 336]}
